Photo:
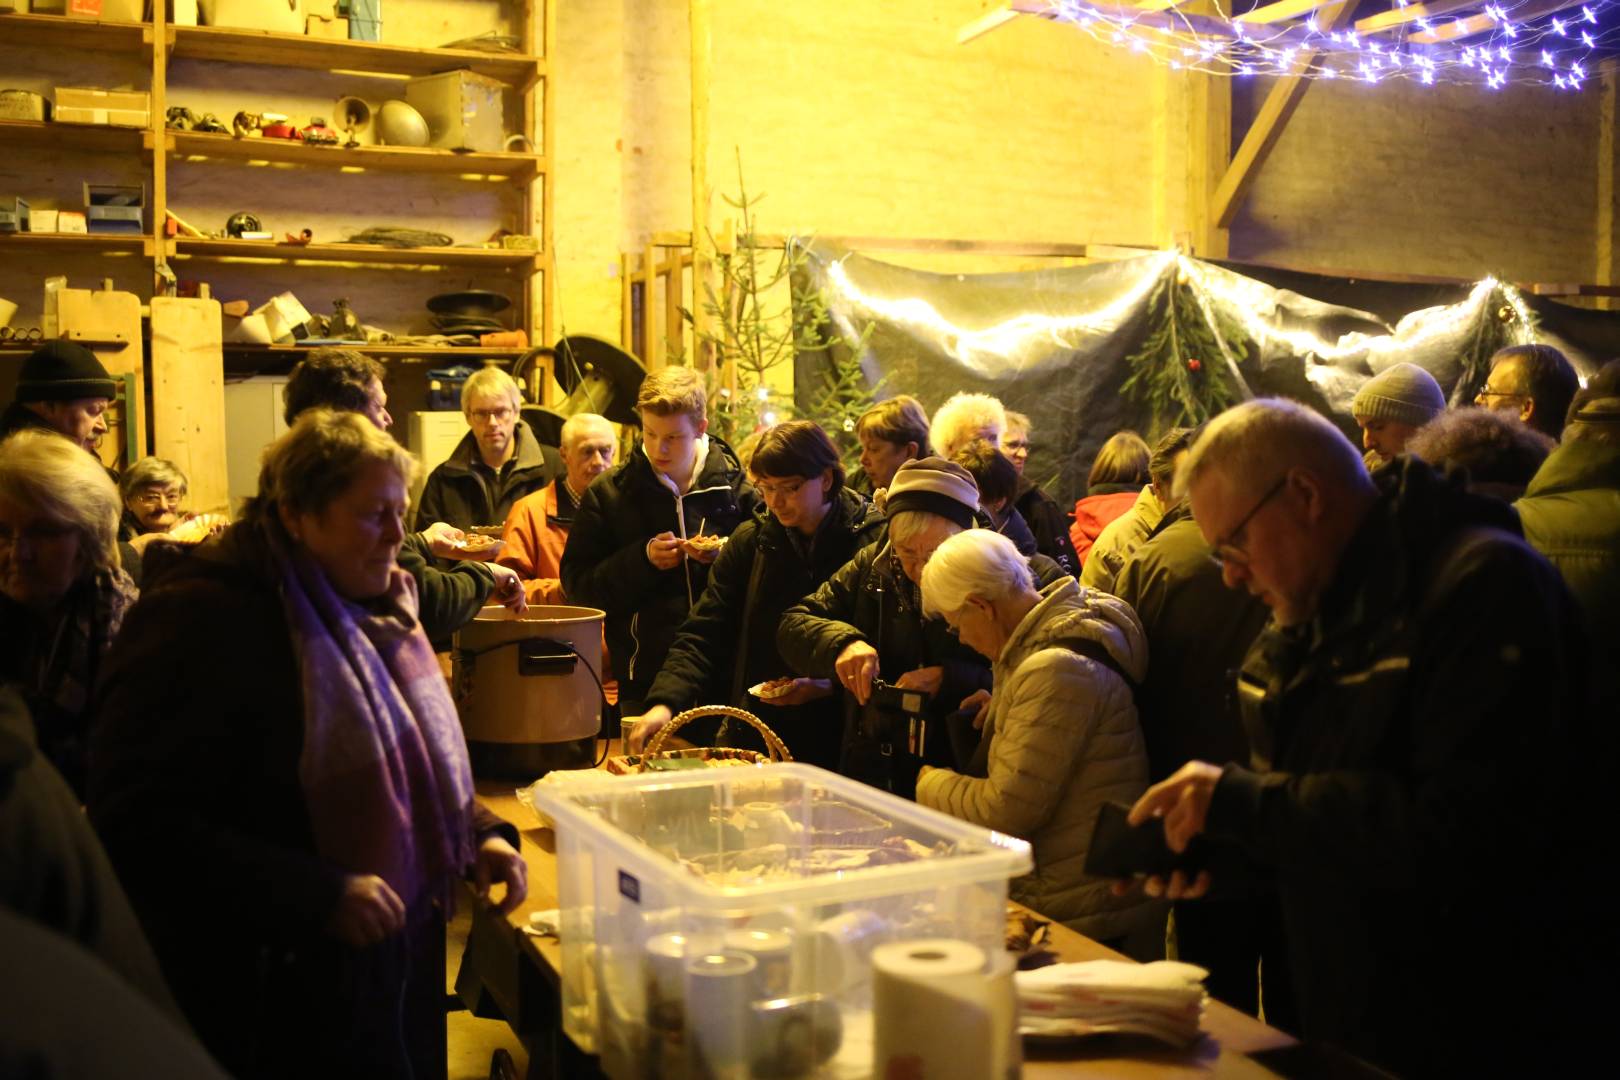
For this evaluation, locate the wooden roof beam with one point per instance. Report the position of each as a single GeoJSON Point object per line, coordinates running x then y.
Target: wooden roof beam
{"type": "Point", "coordinates": [991, 20]}
{"type": "Point", "coordinates": [1400, 16]}
{"type": "Point", "coordinates": [1270, 121]}
{"type": "Point", "coordinates": [1458, 29]}
{"type": "Point", "coordinates": [1281, 11]}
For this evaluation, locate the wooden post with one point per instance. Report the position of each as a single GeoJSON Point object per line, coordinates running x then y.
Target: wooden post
{"type": "Point", "coordinates": [1610, 82]}
{"type": "Point", "coordinates": [649, 311]}
{"type": "Point", "coordinates": [158, 135]}
{"type": "Point", "coordinates": [698, 18]}
{"type": "Point", "coordinates": [674, 278]}
{"type": "Point", "coordinates": [626, 333]}
{"type": "Point", "coordinates": [1209, 148]}
{"type": "Point", "coordinates": [548, 188]}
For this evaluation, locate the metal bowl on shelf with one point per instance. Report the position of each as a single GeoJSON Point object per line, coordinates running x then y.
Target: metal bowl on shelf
{"type": "Point", "coordinates": [398, 124]}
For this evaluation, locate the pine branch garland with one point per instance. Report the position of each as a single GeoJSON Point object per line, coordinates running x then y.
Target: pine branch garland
{"type": "Point", "coordinates": [1185, 370]}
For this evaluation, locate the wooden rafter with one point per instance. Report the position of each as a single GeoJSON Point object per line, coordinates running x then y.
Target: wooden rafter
{"type": "Point", "coordinates": [1459, 29]}
{"type": "Point", "coordinates": [1281, 11]}
{"type": "Point", "coordinates": [1411, 13]}
{"type": "Point", "coordinates": [990, 20]}
{"type": "Point", "coordinates": [1272, 118]}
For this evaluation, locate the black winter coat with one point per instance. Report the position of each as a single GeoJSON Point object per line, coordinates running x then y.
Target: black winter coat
{"type": "Point", "coordinates": [1049, 524]}
{"type": "Point", "coordinates": [728, 642]}
{"type": "Point", "coordinates": [1198, 632]}
{"type": "Point", "coordinates": [1414, 761]}
{"type": "Point", "coordinates": [870, 599]}
{"type": "Point", "coordinates": [463, 492]}
{"type": "Point", "coordinates": [605, 562]}
{"type": "Point", "coordinates": [447, 599]}
{"type": "Point", "coordinates": [194, 790]}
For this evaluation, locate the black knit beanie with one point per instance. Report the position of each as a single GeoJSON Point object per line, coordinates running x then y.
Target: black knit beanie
{"type": "Point", "coordinates": [64, 371]}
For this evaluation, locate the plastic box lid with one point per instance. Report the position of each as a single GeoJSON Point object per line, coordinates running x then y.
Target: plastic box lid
{"type": "Point", "coordinates": [970, 854]}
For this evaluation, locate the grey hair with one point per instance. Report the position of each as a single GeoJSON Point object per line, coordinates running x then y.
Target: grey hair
{"type": "Point", "coordinates": [571, 427]}
{"type": "Point", "coordinates": [493, 382]}
{"type": "Point", "coordinates": [151, 472]}
{"type": "Point", "coordinates": [962, 417]}
{"type": "Point", "coordinates": [1257, 441]}
{"type": "Point", "coordinates": [907, 524]}
{"type": "Point", "coordinates": [1495, 447]}
{"type": "Point", "coordinates": [56, 478]}
{"type": "Point", "coordinates": [977, 562]}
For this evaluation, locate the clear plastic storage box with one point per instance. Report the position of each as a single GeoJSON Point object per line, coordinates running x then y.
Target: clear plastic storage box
{"type": "Point", "coordinates": [720, 921]}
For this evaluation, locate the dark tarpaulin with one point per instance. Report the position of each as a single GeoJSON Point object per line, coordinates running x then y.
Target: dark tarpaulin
{"type": "Point", "coordinates": [1055, 343]}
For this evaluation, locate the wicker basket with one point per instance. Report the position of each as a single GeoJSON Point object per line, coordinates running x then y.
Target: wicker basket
{"type": "Point", "coordinates": [656, 753]}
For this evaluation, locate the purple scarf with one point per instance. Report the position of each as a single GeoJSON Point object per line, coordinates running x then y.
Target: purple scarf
{"type": "Point", "coordinates": [384, 765]}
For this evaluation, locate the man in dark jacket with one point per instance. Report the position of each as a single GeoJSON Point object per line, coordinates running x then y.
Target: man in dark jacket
{"type": "Point", "coordinates": [1047, 522]}
{"type": "Point", "coordinates": [494, 465]}
{"type": "Point", "coordinates": [634, 550]}
{"type": "Point", "coordinates": [866, 622]}
{"type": "Point", "coordinates": [62, 386]}
{"type": "Point", "coordinates": [1198, 632]}
{"type": "Point", "coordinates": [813, 526]}
{"type": "Point", "coordinates": [1415, 713]}
{"type": "Point", "coordinates": [448, 599]}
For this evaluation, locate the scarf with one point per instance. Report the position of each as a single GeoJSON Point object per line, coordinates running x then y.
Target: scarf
{"type": "Point", "coordinates": [384, 766]}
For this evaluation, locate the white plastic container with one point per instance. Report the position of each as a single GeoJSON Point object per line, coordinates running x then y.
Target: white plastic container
{"type": "Point", "coordinates": [792, 873]}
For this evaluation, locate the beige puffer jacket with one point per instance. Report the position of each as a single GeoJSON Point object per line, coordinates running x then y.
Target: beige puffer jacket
{"type": "Point", "coordinates": [1064, 740]}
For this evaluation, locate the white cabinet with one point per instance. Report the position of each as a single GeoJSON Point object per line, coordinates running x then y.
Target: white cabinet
{"type": "Point", "coordinates": [252, 422]}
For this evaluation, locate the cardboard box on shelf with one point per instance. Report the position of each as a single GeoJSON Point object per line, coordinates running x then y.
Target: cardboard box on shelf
{"type": "Point", "coordinates": [42, 221]}
{"type": "Point", "coordinates": [329, 27]}
{"type": "Point", "coordinates": [23, 105]}
{"type": "Point", "coordinates": [108, 10]}
{"type": "Point", "coordinates": [115, 208]}
{"type": "Point", "coordinates": [279, 16]}
{"type": "Point", "coordinates": [87, 105]}
{"type": "Point", "coordinates": [463, 110]}
{"type": "Point", "coordinates": [182, 12]}
{"type": "Point", "coordinates": [70, 221]}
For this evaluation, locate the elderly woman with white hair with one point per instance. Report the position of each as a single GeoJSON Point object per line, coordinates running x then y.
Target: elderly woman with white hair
{"type": "Point", "coordinates": [1062, 732]}
{"type": "Point", "coordinates": [496, 463]}
{"type": "Point", "coordinates": [965, 417]}
{"type": "Point", "coordinates": [63, 592]}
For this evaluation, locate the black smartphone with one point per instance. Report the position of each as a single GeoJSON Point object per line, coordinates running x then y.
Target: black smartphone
{"type": "Point", "coordinates": [1121, 850]}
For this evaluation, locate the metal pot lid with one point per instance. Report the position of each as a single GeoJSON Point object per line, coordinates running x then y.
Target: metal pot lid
{"type": "Point", "coordinates": [474, 302]}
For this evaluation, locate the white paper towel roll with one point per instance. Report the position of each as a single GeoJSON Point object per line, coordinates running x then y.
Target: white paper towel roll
{"type": "Point", "coordinates": [938, 1015]}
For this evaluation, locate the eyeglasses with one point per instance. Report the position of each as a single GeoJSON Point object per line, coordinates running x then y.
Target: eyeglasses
{"type": "Point", "coordinates": [1485, 393]}
{"type": "Point", "coordinates": [786, 489]}
{"type": "Point", "coordinates": [1229, 548]}
{"type": "Point", "coordinates": [488, 416]}
{"type": "Point", "coordinates": [158, 498]}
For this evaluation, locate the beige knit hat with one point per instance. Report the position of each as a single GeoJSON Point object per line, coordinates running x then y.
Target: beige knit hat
{"type": "Point", "coordinates": [934, 486]}
{"type": "Point", "coordinates": [1404, 393]}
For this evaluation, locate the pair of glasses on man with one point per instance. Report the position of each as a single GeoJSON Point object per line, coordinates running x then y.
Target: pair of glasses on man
{"type": "Point", "coordinates": [1232, 547]}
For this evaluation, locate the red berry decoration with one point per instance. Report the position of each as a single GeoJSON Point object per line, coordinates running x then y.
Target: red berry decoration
{"type": "Point", "coordinates": [1194, 365]}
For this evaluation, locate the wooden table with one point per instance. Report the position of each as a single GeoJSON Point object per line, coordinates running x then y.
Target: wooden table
{"type": "Point", "coordinates": [519, 974]}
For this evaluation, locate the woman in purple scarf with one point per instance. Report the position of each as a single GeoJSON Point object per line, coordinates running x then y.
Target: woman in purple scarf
{"type": "Point", "coordinates": [280, 777]}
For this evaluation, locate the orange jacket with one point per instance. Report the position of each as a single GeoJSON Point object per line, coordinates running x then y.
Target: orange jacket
{"type": "Point", "coordinates": [535, 539]}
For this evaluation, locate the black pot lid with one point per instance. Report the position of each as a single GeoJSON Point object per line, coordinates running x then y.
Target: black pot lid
{"type": "Point", "coordinates": [469, 302]}
{"type": "Point", "coordinates": [466, 322]}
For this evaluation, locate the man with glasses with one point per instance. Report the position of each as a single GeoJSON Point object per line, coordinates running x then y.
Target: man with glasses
{"type": "Point", "coordinates": [1534, 382]}
{"type": "Point", "coordinates": [1411, 709]}
{"type": "Point", "coordinates": [496, 464]}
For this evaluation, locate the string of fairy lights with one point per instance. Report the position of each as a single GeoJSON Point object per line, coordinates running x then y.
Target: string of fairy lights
{"type": "Point", "coordinates": [1530, 42]}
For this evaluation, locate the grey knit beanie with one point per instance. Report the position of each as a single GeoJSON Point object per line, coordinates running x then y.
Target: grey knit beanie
{"type": "Point", "coordinates": [934, 486]}
{"type": "Point", "coordinates": [1404, 393]}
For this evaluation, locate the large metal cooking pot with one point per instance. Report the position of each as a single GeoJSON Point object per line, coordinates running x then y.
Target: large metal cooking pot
{"type": "Point", "coordinates": [524, 687]}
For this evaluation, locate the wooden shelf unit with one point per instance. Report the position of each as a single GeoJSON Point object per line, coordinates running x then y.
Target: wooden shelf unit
{"type": "Point", "coordinates": [100, 244]}
{"type": "Point", "coordinates": [381, 352]}
{"type": "Point", "coordinates": [95, 138]}
{"type": "Point", "coordinates": [190, 146]}
{"type": "Point", "coordinates": [370, 255]}
{"type": "Point", "coordinates": [321, 54]}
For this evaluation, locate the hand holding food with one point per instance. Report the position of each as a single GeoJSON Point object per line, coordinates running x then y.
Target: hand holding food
{"type": "Point", "coordinates": [704, 549]}
{"type": "Point", "coordinates": [664, 551]}
{"type": "Point", "coordinates": [442, 538]}
{"type": "Point", "coordinates": [791, 691]}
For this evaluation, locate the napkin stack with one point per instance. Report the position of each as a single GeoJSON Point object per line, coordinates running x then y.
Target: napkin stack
{"type": "Point", "coordinates": [1163, 1000]}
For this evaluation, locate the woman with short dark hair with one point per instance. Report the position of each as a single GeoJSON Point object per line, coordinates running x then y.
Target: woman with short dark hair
{"type": "Point", "coordinates": [273, 728]}
{"type": "Point", "coordinates": [810, 526]}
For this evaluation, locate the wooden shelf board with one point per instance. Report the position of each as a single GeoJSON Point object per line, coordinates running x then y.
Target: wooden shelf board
{"type": "Point", "coordinates": [321, 54]}
{"type": "Point", "coordinates": [63, 32]}
{"type": "Point", "coordinates": [382, 352]}
{"type": "Point", "coordinates": [75, 243]}
{"type": "Point", "coordinates": [98, 138]}
{"type": "Point", "coordinates": [367, 254]}
{"type": "Point", "coordinates": [194, 145]}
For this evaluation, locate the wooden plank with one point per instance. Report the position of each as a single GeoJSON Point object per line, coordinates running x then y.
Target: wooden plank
{"type": "Point", "coordinates": [108, 323]}
{"type": "Point", "coordinates": [1607, 116]}
{"type": "Point", "coordinates": [990, 20]}
{"type": "Point", "coordinates": [1458, 29]}
{"type": "Point", "coordinates": [547, 119]}
{"type": "Point", "coordinates": [1282, 11]}
{"type": "Point", "coordinates": [90, 138]}
{"type": "Point", "coordinates": [1269, 123]}
{"type": "Point", "coordinates": [232, 45]}
{"type": "Point", "coordinates": [1209, 152]}
{"type": "Point", "coordinates": [650, 344]}
{"type": "Point", "coordinates": [361, 254]}
{"type": "Point", "coordinates": [1400, 16]}
{"type": "Point", "coordinates": [625, 315]}
{"type": "Point", "coordinates": [157, 203]}
{"type": "Point", "coordinates": [201, 146]}
{"type": "Point", "coordinates": [453, 354]}
{"type": "Point", "coordinates": [57, 32]}
{"type": "Point", "coordinates": [698, 13]}
{"type": "Point", "coordinates": [674, 291]}
{"type": "Point", "coordinates": [68, 244]}
{"type": "Point", "coordinates": [188, 396]}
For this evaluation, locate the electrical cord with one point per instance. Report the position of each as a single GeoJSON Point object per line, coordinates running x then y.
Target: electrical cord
{"type": "Point", "coordinates": [601, 691]}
